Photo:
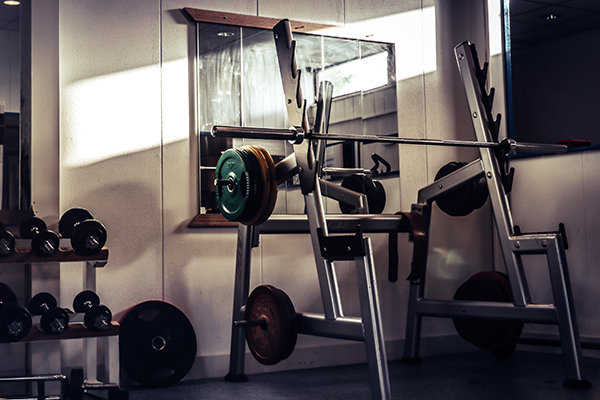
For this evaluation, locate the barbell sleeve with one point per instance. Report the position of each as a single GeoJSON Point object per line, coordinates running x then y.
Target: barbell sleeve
{"type": "Point", "coordinates": [513, 147]}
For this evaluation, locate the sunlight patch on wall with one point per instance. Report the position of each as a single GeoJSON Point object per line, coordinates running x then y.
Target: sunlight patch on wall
{"type": "Point", "coordinates": [111, 115]}
{"type": "Point", "coordinates": [413, 33]}
{"type": "Point", "coordinates": [495, 26]}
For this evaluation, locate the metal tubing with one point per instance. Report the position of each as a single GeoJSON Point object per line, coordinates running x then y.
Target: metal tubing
{"type": "Point", "coordinates": [296, 134]}
{"type": "Point", "coordinates": [537, 313]}
{"type": "Point", "coordinates": [240, 296]}
{"type": "Point", "coordinates": [371, 318]}
{"type": "Point", "coordinates": [341, 328]}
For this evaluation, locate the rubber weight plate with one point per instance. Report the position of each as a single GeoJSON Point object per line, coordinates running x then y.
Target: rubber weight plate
{"type": "Point", "coordinates": [372, 189]}
{"type": "Point", "coordinates": [272, 182]}
{"type": "Point", "coordinates": [232, 197]}
{"type": "Point", "coordinates": [499, 337]}
{"type": "Point", "coordinates": [274, 341]}
{"type": "Point", "coordinates": [157, 344]}
{"type": "Point", "coordinates": [258, 176]}
{"type": "Point", "coordinates": [455, 203]}
{"type": "Point", "coordinates": [70, 218]}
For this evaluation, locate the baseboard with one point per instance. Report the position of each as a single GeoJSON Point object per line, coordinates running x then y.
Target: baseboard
{"type": "Point", "coordinates": [330, 353]}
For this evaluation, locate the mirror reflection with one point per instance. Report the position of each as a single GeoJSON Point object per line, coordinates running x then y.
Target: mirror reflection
{"type": "Point", "coordinates": [239, 84]}
{"type": "Point", "coordinates": [553, 71]}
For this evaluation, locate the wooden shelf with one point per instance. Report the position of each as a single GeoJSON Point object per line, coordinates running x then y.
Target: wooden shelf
{"type": "Point", "coordinates": [75, 331]}
{"type": "Point", "coordinates": [211, 220]}
{"type": "Point", "coordinates": [26, 256]}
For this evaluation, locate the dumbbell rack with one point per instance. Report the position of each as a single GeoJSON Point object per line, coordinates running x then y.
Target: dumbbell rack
{"type": "Point", "coordinates": [25, 257]}
{"type": "Point", "coordinates": [514, 245]}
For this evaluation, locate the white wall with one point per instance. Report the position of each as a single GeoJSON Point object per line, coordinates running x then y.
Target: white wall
{"type": "Point", "coordinates": [128, 153]}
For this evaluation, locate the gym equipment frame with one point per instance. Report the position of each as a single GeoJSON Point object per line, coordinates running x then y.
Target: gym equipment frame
{"type": "Point", "coordinates": [340, 237]}
{"type": "Point", "coordinates": [513, 244]}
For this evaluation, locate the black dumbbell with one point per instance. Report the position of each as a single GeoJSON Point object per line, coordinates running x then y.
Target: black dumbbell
{"type": "Point", "coordinates": [7, 242]}
{"type": "Point", "coordinates": [15, 320]}
{"type": "Point", "coordinates": [97, 316]}
{"type": "Point", "coordinates": [87, 234]}
{"type": "Point", "coordinates": [54, 319]}
{"type": "Point", "coordinates": [44, 243]}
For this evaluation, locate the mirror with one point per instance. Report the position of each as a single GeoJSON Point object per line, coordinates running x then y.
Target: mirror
{"type": "Point", "coordinates": [14, 139]}
{"type": "Point", "coordinates": [551, 70]}
{"type": "Point", "coordinates": [239, 84]}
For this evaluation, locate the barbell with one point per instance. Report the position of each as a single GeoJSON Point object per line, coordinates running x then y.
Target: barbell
{"type": "Point", "coordinates": [297, 135]}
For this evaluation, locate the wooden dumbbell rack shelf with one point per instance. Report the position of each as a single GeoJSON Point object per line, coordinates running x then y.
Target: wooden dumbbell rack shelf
{"type": "Point", "coordinates": [23, 255]}
{"type": "Point", "coordinates": [75, 331]}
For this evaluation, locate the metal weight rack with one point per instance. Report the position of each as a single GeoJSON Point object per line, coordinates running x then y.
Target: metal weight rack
{"type": "Point", "coordinates": [340, 237]}
{"type": "Point", "coordinates": [514, 244]}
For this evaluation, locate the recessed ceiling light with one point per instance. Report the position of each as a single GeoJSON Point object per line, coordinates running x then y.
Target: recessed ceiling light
{"type": "Point", "coordinates": [225, 34]}
{"type": "Point", "coordinates": [551, 17]}
{"type": "Point", "coordinates": [12, 2]}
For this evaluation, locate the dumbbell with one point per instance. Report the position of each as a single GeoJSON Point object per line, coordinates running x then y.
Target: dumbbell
{"type": "Point", "coordinates": [15, 320]}
{"type": "Point", "coordinates": [7, 242]}
{"type": "Point", "coordinates": [54, 319]}
{"type": "Point", "coordinates": [44, 243]}
{"type": "Point", "coordinates": [87, 234]}
{"type": "Point", "coordinates": [97, 316]}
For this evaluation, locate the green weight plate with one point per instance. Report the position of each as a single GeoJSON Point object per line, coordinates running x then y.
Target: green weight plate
{"type": "Point", "coordinates": [157, 344]}
{"type": "Point", "coordinates": [70, 218]}
{"type": "Point", "coordinates": [232, 197]}
{"type": "Point", "coordinates": [275, 341]}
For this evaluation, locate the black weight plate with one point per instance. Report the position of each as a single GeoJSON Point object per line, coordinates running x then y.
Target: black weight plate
{"type": "Point", "coordinates": [497, 336]}
{"type": "Point", "coordinates": [54, 321]}
{"type": "Point", "coordinates": [232, 199]}
{"type": "Point", "coordinates": [98, 318]}
{"type": "Point", "coordinates": [88, 237]}
{"type": "Point", "coordinates": [455, 203]}
{"type": "Point", "coordinates": [362, 184]}
{"type": "Point", "coordinates": [70, 218]}
{"type": "Point", "coordinates": [83, 297]}
{"type": "Point", "coordinates": [377, 199]}
{"type": "Point", "coordinates": [157, 344]}
{"type": "Point", "coordinates": [29, 228]}
{"type": "Point", "coordinates": [45, 244]}
{"type": "Point", "coordinates": [15, 322]}
{"type": "Point", "coordinates": [7, 243]}
{"type": "Point", "coordinates": [37, 301]}
{"type": "Point", "coordinates": [6, 294]}
{"type": "Point", "coordinates": [479, 193]}
{"type": "Point", "coordinates": [274, 341]}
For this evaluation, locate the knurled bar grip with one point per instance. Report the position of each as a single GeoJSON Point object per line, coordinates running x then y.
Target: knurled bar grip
{"type": "Point", "coordinates": [294, 134]}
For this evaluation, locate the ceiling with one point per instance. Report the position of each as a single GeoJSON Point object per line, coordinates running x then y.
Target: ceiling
{"type": "Point", "coordinates": [534, 21]}
{"type": "Point", "coordinates": [9, 18]}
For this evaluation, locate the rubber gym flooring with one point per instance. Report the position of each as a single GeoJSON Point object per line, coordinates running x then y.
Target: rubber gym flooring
{"type": "Point", "coordinates": [477, 375]}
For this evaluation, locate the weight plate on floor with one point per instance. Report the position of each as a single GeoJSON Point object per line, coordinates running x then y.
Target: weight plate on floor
{"type": "Point", "coordinates": [232, 197]}
{"type": "Point", "coordinates": [276, 339]}
{"type": "Point", "coordinates": [70, 218]}
{"type": "Point", "coordinates": [499, 337]}
{"type": "Point", "coordinates": [157, 344]}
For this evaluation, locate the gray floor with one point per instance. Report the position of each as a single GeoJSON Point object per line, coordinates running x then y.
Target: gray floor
{"type": "Point", "coordinates": [477, 375]}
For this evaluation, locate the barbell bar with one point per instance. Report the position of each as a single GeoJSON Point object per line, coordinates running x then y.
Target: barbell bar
{"type": "Point", "coordinates": [297, 135]}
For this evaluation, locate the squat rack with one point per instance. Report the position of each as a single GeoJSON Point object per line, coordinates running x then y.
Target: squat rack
{"type": "Point", "coordinates": [330, 233]}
